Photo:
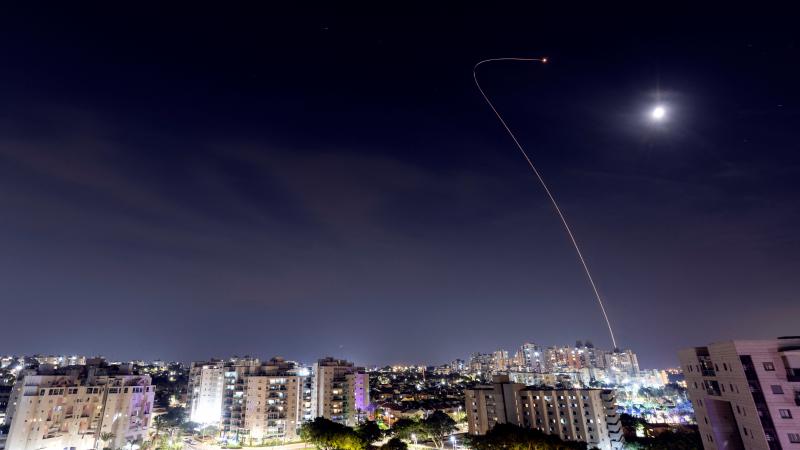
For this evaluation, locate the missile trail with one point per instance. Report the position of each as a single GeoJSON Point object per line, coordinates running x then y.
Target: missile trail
{"type": "Point", "coordinates": [544, 185]}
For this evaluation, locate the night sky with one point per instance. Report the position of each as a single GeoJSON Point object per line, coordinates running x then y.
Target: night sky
{"type": "Point", "coordinates": [195, 182]}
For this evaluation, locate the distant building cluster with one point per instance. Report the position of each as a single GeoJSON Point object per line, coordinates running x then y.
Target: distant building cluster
{"type": "Point", "coordinates": [414, 392]}
{"type": "Point", "coordinates": [582, 362]}
{"type": "Point", "coordinates": [528, 388]}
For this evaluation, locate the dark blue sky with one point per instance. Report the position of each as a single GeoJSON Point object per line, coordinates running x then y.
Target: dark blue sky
{"type": "Point", "coordinates": [189, 183]}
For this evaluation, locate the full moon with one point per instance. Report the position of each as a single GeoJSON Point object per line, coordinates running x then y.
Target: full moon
{"type": "Point", "coordinates": [658, 113]}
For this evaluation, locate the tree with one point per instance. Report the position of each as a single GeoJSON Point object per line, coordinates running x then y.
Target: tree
{"type": "Point", "coordinates": [437, 427]}
{"type": "Point", "coordinates": [394, 444]}
{"type": "Point", "coordinates": [369, 431]}
{"type": "Point", "coordinates": [669, 440]}
{"type": "Point", "coordinates": [329, 435]}
{"type": "Point", "coordinates": [208, 431]}
{"type": "Point", "coordinates": [175, 417]}
{"type": "Point", "coordinates": [512, 437]}
{"type": "Point", "coordinates": [160, 423]}
{"type": "Point", "coordinates": [404, 428]}
{"type": "Point", "coordinates": [107, 438]}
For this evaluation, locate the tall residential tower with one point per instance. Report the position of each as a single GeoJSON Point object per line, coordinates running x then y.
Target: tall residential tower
{"type": "Point", "coordinates": [746, 394]}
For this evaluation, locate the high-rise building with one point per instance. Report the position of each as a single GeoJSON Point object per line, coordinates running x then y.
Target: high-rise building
{"type": "Point", "coordinates": [583, 355]}
{"type": "Point", "coordinates": [481, 363]}
{"type": "Point", "coordinates": [340, 391]}
{"type": "Point", "coordinates": [517, 361]}
{"type": "Point", "coordinates": [585, 415]}
{"type": "Point", "coordinates": [746, 394]}
{"type": "Point", "coordinates": [273, 401]}
{"type": "Point", "coordinates": [533, 357]}
{"type": "Point", "coordinates": [206, 390]}
{"type": "Point", "coordinates": [500, 361]}
{"type": "Point", "coordinates": [75, 407]}
{"type": "Point", "coordinates": [458, 365]}
{"type": "Point", "coordinates": [622, 362]}
{"type": "Point", "coordinates": [251, 401]}
{"type": "Point", "coordinates": [490, 404]}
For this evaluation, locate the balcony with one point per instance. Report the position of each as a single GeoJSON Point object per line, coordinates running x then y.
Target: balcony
{"type": "Point", "coordinates": [706, 366]}
{"type": "Point", "coordinates": [712, 388]}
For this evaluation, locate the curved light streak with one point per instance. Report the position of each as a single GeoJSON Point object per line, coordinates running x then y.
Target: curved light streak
{"type": "Point", "coordinates": [544, 185]}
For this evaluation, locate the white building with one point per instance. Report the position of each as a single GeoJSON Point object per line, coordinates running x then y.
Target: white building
{"type": "Point", "coordinates": [339, 391]}
{"type": "Point", "coordinates": [533, 357]}
{"type": "Point", "coordinates": [252, 402]}
{"type": "Point", "coordinates": [622, 362]}
{"type": "Point", "coordinates": [746, 394]}
{"type": "Point", "coordinates": [72, 408]}
{"type": "Point", "coordinates": [206, 389]}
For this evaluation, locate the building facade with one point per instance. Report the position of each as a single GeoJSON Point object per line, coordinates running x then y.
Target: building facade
{"type": "Point", "coordinates": [251, 401]}
{"type": "Point", "coordinates": [206, 389]}
{"type": "Point", "coordinates": [72, 408]}
{"type": "Point", "coordinates": [620, 365]}
{"type": "Point", "coordinates": [533, 357]}
{"type": "Point", "coordinates": [339, 391]}
{"type": "Point", "coordinates": [746, 394]}
{"type": "Point", "coordinates": [585, 415]}
{"type": "Point", "coordinates": [624, 362]}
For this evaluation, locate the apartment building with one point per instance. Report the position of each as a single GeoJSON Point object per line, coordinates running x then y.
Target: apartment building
{"type": "Point", "coordinates": [251, 401]}
{"type": "Point", "coordinates": [585, 415]}
{"type": "Point", "coordinates": [72, 407]}
{"type": "Point", "coordinates": [621, 361]}
{"type": "Point", "coordinates": [488, 405]}
{"type": "Point", "coordinates": [206, 390]}
{"type": "Point", "coordinates": [255, 401]}
{"type": "Point", "coordinates": [746, 394]}
{"type": "Point", "coordinates": [340, 391]}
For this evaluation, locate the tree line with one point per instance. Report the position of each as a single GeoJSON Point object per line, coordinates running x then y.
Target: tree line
{"type": "Point", "coordinates": [328, 435]}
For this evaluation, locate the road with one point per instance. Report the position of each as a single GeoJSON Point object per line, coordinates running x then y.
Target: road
{"type": "Point", "coordinates": [295, 446]}
{"type": "Point", "coordinates": [201, 446]}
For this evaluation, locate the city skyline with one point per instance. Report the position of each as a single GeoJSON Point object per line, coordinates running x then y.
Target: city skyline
{"type": "Point", "coordinates": [196, 183]}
